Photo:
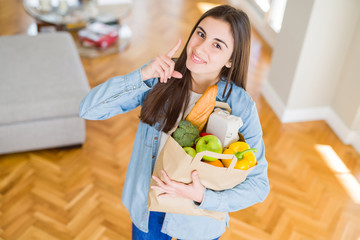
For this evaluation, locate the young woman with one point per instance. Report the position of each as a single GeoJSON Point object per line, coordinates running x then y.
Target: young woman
{"type": "Point", "coordinates": [217, 52]}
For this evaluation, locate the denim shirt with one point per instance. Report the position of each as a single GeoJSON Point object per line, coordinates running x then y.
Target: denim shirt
{"type": "Point", "coordinates": [124, 93]}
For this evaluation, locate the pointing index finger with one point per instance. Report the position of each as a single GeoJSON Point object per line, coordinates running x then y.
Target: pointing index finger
{"type": "Point", "coordinates": [174, 49]}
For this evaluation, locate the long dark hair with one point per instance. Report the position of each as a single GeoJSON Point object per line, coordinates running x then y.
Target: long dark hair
{"type": "Point", "coordinates": [166, 101]}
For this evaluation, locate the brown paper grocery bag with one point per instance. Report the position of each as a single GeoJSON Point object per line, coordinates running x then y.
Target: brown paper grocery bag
{"type": "Point", "coordinates": [179, 166]}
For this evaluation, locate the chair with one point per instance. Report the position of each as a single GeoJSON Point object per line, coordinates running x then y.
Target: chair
{"type": "Point", "coordinates": [42, 82]}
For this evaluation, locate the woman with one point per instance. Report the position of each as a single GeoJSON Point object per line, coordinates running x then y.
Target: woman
{"type": "Point", "coordinates": [217, 52]}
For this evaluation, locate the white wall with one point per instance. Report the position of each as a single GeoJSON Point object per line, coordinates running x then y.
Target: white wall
{"type": "Point", "coordinates": [289, 46]}
{"type": "Point", "coordinates": [315, 71]}
{"type": "Point", "coordinates": [324, 52]}
{"type": "Point", "coordinates": [347, 98]}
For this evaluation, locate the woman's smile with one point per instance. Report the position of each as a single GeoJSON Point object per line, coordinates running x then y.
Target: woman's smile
{"type": "Point", "coordinates": [196, 59]}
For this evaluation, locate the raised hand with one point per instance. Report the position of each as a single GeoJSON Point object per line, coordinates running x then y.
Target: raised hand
{"type": "Point", "coordinates": [162, 66]}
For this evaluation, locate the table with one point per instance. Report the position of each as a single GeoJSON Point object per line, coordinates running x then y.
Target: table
{"type": "Point", "coordinates": [72, 15]}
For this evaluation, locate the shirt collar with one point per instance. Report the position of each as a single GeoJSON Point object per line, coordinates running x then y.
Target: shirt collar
{"type": "Point", "coordinates": [221, 86]}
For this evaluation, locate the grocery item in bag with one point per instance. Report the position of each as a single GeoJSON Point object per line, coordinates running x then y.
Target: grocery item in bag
{"type": "Point", "coordinates": [179, 165]}
{"type": "Point", "coordinates": [224, 125]}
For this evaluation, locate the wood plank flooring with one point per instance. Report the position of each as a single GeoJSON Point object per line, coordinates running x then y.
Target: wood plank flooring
{"type": "Point", "coordinates": [75, 192]}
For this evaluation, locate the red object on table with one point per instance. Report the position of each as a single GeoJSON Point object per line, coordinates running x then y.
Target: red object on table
{"type": "Point", "coordinates": [98, 35]}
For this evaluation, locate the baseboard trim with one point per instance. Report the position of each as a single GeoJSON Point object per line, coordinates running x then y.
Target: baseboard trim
{"type": "Point", "coordinates": [346, 135]}
{"type": "Point", "coordinates": [273, 99]}
{"type": "Point", "coordinates": [355, 140]}
{"type": "Point", "coordinates": [303, 115]}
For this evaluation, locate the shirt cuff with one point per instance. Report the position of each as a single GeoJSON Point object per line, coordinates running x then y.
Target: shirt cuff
{"type": "Point", "coordinates": [139, 83]}
{"type": "Point", "coordinates": [211, 200]}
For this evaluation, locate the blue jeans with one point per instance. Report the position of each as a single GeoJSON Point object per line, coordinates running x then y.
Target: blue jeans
{"type": "Point", "coordinates": [156, 220]}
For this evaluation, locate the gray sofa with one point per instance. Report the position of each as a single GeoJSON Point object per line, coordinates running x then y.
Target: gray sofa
{"type": "Point", "coordinates": [42, 82]}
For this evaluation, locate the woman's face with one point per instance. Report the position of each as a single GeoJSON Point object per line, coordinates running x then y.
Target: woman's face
{"type": "Point", "coordinates": [209, 49]}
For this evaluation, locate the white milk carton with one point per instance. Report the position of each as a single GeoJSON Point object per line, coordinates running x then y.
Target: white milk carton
{"type": "Point", "coordinates": [224, 125]}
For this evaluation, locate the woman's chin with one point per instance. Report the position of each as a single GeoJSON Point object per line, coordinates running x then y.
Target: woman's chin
{"type": "Point", "coordinates": [192, 67]}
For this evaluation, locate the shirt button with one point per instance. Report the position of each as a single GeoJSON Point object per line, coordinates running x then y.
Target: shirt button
{"type": "Point", "coordinates": [153, 156]}
{"type": "Point", "coordinates": [134, 87]}
{"type": "Point", "coordinates": [155, 138]}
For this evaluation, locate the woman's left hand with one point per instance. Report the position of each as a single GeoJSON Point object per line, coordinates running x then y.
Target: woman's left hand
{"type": "Point", "coordinates": [194, 191]}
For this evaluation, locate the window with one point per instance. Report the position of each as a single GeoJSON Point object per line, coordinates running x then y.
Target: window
{"type": "Point", "coordinates": [272, 11]}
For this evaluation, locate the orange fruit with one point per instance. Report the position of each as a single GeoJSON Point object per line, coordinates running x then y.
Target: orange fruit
{"type": "Point", "coordinates": [216, 163]}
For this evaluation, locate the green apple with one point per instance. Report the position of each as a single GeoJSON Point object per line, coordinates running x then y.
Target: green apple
{"type": "Point", "coordinates": [209, 143]}
{"type": "Point", "coordinates": [190, 151]}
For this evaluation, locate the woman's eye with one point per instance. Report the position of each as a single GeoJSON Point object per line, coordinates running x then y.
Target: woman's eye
{"type": "Point", "coordinates": [217, 46]}
{"type": "Point", "coordinates": [202, 35]}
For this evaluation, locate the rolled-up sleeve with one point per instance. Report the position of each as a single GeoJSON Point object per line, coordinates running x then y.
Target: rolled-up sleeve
{"type": "Point", "coordinates": [117, 95]}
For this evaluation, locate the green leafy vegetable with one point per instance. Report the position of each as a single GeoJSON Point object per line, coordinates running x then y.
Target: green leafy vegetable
{"type": "Point", "coordinates": [186, 133]}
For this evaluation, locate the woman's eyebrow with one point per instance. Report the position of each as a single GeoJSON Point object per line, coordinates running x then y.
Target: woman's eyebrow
{"type": "Point", "coordinates": [217, 39]}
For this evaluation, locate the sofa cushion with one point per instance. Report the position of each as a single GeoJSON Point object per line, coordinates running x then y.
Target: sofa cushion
{"type": "Point", "coordinates": [40, 77]}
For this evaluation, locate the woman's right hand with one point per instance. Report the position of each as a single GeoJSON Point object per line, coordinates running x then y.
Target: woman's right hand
{"type": "Point", "coordinates": [162, 66]}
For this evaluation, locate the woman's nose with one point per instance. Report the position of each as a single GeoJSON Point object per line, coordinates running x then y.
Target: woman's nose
{"type": "Point", "coordinates": [200, 48]}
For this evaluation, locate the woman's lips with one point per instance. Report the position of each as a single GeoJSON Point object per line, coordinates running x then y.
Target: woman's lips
{"type": "Point", "coordinates": [196, 59]}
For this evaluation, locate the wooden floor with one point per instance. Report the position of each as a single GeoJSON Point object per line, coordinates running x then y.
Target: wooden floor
{"type": "Point", "coordinates": [75, 192]}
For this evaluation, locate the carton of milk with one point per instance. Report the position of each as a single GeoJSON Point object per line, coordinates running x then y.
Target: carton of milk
{"type": "Point", "coordinates": [224, 125]}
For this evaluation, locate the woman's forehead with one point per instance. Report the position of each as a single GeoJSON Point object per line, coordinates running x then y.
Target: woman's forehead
{"type": "Point", "coordinates": [217, 28]}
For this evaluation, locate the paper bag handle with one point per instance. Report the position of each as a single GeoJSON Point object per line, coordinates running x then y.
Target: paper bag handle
{"type": "Point", "coordinates": [223, 105]}
{"type": "Point", "coordinates": [200, 155]}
